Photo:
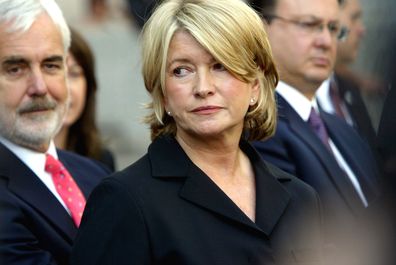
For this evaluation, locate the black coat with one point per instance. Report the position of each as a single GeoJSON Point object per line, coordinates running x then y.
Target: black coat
{"type": "Point", "coordinates": [164, 210]}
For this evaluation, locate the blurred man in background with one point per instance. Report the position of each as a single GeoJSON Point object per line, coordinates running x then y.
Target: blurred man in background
{"type": "Point", "coordinates": [340, 94]}
{"type": "Point", "coordinates": [315, 146]}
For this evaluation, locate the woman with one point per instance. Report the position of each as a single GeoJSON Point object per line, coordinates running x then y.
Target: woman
{"type": "Point", "coordinates": [202, 195]}
{"type": "Point", "coordinates": [79, 132]}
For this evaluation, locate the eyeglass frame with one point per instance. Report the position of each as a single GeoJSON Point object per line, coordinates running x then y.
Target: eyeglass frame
{"type": "Point", "coordinates": [316, 26]}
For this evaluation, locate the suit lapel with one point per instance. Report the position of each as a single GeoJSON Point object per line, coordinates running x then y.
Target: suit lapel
{"type": "Point", "coordinates": [85, 180]}
{"type": "Point", "coordinates": [29, 188]}
{"type": "Point", "coordinates": [341, 141]}
{"type": "Point", "coordinates": [329, 163]}
{"type": "Point", "coordinates": [199, 189]}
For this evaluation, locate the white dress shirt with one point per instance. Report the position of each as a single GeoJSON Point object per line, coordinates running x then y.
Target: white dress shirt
{"type": "Point", "coordinates": [36, 162]}
{"type": "Point", "coordinates": [302, 105]}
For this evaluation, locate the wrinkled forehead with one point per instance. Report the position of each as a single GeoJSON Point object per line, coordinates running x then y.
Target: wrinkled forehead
{"type": "Point", "coordinates": [322, 9]}
{"type": "Point", "coordinates": [42, 39]}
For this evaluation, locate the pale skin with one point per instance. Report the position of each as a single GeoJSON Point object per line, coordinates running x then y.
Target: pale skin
{"type": "Point", "coordinates": [33, 92]}
{"type": "Point", "coordinates": [78, 90]}
{"type": "Point", "coordinates": [304, 61]}
{"type": "Point", "coordinates": [208, 104]}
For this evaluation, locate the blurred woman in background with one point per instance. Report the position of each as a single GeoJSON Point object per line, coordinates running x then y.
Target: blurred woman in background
{"type": "Point", "coordinates": [79, 132]}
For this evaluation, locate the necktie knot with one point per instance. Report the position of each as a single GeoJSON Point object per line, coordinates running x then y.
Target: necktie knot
{"type": "Point", "coordinates": [53, 166]}
{"type": "Point", "coordinates": [317, 125]}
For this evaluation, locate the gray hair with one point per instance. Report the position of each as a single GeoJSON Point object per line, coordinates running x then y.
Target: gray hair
{"type": "Point", "coordinates": [21, 14]}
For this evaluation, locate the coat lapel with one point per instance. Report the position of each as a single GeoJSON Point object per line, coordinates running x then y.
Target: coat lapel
{"type": "Point", "coordinates": [199, 189]}
{"type": "Point", "coordinates": [341, 138]}
{"type": "Point", "coordinates": [329, 163]}
{"type": "Point", "coordinates": [271, 197]}
{"type": "Point", "coordinates": [29, 188]}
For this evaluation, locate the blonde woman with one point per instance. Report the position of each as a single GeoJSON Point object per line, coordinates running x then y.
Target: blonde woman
{"type": "Point", "coordinates": [201, 194]}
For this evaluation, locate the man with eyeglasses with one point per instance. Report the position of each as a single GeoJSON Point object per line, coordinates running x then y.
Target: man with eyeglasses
{"type": "Point", "coordinates": [340, 93]}
{"type": "Point", "coordinates": [315, 146]}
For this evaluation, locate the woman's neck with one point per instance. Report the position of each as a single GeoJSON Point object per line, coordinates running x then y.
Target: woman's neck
{"type": "Point", "coordinates": [228, 167]}
{"type": "Point", "coordinates": [218, 158]}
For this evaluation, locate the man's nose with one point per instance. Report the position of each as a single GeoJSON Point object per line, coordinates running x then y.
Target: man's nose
{"type": "Point", "coordinates": [37, 84]}
{"type": "Point", "coordinates": [325, 37]}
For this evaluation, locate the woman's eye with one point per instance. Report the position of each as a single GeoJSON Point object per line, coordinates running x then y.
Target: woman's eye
{"type": "Point", "coordinates": [180, 71]}
{"type": "Point", "coordinates": [75, 72]}
{"type": "Point", "coordinates": [219, 67]}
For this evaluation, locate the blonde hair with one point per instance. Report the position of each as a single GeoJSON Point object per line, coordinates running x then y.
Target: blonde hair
{"type": "Point", "coordinates": [234, 34]}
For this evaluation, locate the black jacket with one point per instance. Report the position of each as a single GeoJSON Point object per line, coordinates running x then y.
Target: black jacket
{"type": "Point", "coordinates": [164, 210]}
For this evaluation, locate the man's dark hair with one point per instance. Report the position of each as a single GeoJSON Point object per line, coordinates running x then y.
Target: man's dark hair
{"type": "Point", "coordinates": [263, 6]}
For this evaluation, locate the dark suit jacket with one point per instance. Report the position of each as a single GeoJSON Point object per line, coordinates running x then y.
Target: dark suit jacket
{"type": "Point", "coordinates": [350, 95]}
{"type": "Point", "coordinates": [34, 226]}
{"type": "Point", "coordinates": [387, 148]}
{"type": "Point", "coordinates": [164, 210]}
{"type": "Point", "coordinates": [386, 139]}
{"type": "Point", "coordinates": [296, 149]}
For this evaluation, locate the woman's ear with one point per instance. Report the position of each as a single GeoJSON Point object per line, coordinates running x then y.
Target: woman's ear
{"type": "Point", "coordinates": [255, 92]}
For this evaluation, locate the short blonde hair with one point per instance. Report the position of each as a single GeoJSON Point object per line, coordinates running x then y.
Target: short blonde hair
{"type": "Point", "coordinates": [234, 34]}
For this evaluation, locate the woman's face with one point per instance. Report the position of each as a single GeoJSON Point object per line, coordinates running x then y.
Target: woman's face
{"type": "Point", "coordinates": [78, 90]}
{"type": "Point", "coordinates": [204, 98]}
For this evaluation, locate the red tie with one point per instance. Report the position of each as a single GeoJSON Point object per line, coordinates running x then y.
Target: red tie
{"type": "Point", "coordinates": [66, 187]}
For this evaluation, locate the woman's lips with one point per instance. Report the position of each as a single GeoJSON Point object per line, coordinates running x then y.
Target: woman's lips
{"type": "Point", "coordinates": [206, 109]}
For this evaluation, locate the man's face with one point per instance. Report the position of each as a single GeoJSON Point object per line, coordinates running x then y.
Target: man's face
{"type": "Point", "coordinates": [303, 46]}
{"type": "Point", "coordinates": [33, 91]}
{"type": "Point", "coordinates": [351, 17]}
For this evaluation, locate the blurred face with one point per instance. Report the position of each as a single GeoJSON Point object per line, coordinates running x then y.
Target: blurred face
{"type": "Point", "coordinates": [303, 37]}
{"type": "Point", "coordinates": [78, 91]}
{"type": "Point", "coordinates": [205, 100]}
{"type": "Point", "coordinates": [33, 92]}
{"type": "Point", "coordinates": [351, 17]}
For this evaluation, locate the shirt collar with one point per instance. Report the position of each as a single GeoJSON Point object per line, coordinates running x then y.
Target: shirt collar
{"type": "Point", "coordinates": [323, 98]}
{"type": "Point", "coordinates": [301, 104]}
{"type": "Point", "coordinates": [33, 159]}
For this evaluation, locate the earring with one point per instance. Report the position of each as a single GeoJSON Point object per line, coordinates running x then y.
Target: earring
{"type": "Point", "coordinates": [169, 113]}
{"type": "Point", "coordinates": [252, 100]}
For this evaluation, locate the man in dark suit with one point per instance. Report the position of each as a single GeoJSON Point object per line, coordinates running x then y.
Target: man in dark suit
{"type": "Point", "coordinates": [341, 93]}
{"type": "Point", "coordinates": [317, 147]}
{"type": "Point", "coordinates": [40, 209]}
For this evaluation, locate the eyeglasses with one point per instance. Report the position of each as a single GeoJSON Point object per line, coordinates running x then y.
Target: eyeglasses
{"type": "Point", "coordinates": [310, 27]}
